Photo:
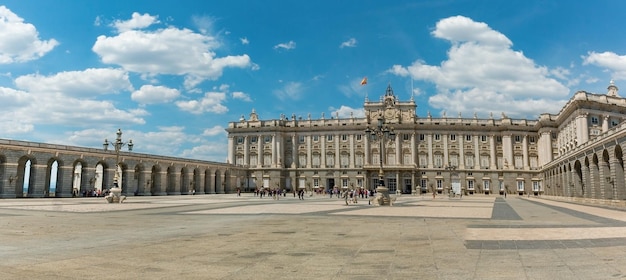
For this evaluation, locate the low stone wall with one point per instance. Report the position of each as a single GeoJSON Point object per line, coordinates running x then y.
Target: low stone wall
{"type": "Point", "coordinates": [589, 201]}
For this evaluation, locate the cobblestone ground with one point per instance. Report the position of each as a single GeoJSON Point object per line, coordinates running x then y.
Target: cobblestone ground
{"type": "Point", "coordinates": [231, 237]}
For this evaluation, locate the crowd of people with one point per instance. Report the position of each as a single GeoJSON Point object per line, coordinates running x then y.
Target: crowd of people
{"type": "Point", "coordinates": [350, 195]}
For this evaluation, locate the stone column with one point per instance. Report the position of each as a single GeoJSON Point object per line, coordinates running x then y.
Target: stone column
{"type": "Point", "coordinates": [429, 139]}
{"type": "Point", "coordinates": [461, 151]}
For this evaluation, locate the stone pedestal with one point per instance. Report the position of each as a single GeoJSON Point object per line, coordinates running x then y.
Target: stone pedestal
{"type": "Point", "coordinates": [382, 197]}
{"type": "Point", "coordinates": [115, 196]}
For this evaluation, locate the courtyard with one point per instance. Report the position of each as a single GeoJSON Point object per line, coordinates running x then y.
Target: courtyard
{"type": "Point", "coordinates": [246, 237]}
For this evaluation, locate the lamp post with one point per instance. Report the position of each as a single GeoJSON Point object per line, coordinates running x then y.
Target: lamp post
{"type": "Point", "coordinates": [452, 170]}
{"type": "Point", "coordinates": [381, 132]}
{"type": "Point", "coordinates": [118, 144]}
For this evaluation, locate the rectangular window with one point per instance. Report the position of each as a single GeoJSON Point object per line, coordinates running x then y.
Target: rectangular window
{"type": "Point", "coordinates": [239, 140]}
{"type": "Point", "coordinates": [452, 137]}
{"type": "Point", "coordinates": [468, 138]}
{"type": "Point", "coordinates": [423, 160]}
{"type": "Point", "coordinates": [439, 184]}
{"type": "Point", "coordinates": [316, 138]}
{"type": "Point", "coordinates": [301, 139]}
{"type": "Point", "coordinates": [302, 160]}
{"type": "Point", "coordinates": [536, 186]}
{"type": "Point", "coordinates": [267, 139]}
{"type": "Point", "coordinates": [316, 182]}
{"type": "Point", "coordinates": [594, 120]}
{"type": "Point", "coordinates": [253, 139]}
{"type": "Point", "coordinates": [470, 185]}
{"type": "Point", "coordinates": [407, 159]}
{"type": "Point", "coordinates": [358, 160]}
{"type": "Point", "coordinates": [406, 137]}
{"type": "Point", "coordinates": [483, 138]}
{"type": "Point", "coordinates": [422, 137]}
{"type": "Point", "coordinates": [531, 139]}
{"type": "Point", "coordinates": [437, 137]}
{"type": "Point", "coordinates": [438, 161]}
{"type": "Point", "coordinates": [267, 159]}
{"type": "Point", "coordinates": [253, 160]}
{"type": "Point", "coordinates": [329, 137]}
{"type": "Point", "coordinates": [344, 137]}
{"type": "Point", "coordinates": [486, 185]}
{"type": "Point", "coordinates": [359, 137]}
{"type": "Point", "coordinates": [344, 183]}
{"type": "Point", "coordinates": [518, 138]}
{"type": "Point", "coordinates": [520, 186]}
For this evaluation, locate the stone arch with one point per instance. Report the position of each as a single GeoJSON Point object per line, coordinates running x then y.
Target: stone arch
{"type": "Point", "coordinates": [170, 184]}
{"type": "Point", "coordinates": [209, 182]}
{"type": "Point", "coordinates": [184, 181]}
{"type": "Point", "coordinates": [4, 177]}
{"type": "Point", "coordinates": [607, 179]}
{"type": "Point", "coordinates": [218, 182]}
{"type": "Point", "coordinates": [155, 183]}
{"type": "Point", "coordinates": [578, 179]}
{"type": "Point", "coordinates": [25, 177]}
{"type": "Point", "coordinates": [620, 181]}
{"type": "Point", "coordinates": [54, 175]}
{"type": "Point", "coordinates": [196, 181]}
{"type": "Point", "coordinates": [139, 179]}
{"type": "Point", "coordinates": [79, 177]}
{"type": "Point", "coordinates": [595, 175]}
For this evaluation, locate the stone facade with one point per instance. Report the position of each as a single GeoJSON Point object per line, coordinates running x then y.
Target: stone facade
{"type": "Point", "coordinates": [83, 169]}
{"type": "Point", "coordinates": [556, 154]}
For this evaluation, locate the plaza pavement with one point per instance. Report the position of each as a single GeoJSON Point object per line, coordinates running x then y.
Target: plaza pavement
{"type": "Point", "coordinates": [230, 237]}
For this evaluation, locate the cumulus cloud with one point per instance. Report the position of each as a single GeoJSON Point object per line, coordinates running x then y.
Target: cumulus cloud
{"type": "Point", "coordinates": [347, 112]}
{"type": "Point", "coordinates": [137, 21]}
{"type": "Point", "coordinates": [213, 131]}
{"type": "Point", "coordinates": [611, 61]}
{"type": "Point", "coordinates": [241, 96]}
{"type": "Point", "coordinates": [291, 90]}
{"type": "Point", "coordinates": [149, 94]}
{"type": "Point", "coordinates": [348, 44]}
{"type": "Point", "coordinates": [287, 46]}
{"type": "Point", "coordinates": [482, 72]}
{"type": "Point", "coordinates": [19, 41]}
{"type": "Point", "coordinates": [86, 83]}
{"type": "Point", "coordinates": [211, 102]}
{"type": "Point", "coordinates": [155, 52]}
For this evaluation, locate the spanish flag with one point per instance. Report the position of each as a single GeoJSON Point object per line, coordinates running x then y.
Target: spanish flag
{"type": "Point", "coordinates": [364, 81]}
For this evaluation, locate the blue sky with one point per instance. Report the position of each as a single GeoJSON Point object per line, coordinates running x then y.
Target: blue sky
{"type": "Point", "coordinates": [172, 74]}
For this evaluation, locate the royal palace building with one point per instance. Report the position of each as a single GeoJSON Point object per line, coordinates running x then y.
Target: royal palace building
{"type": "Point", "coordinates": [576, 152]}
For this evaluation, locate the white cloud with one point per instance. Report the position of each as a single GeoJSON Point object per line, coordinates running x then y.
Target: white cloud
{"type": "Point", "coordinates": [137, 21]}
{"type": "Point", "coordinates": [347, 112]}
{"type": "Point", "coordinates": [159, 52]}
{"type": "Point", "coordinates": [287, 46]}
{"type": "Point", "coordinates": [241, 96]}
{"type": "Point", "coordinates": [149, 94]}
{"type": "Point", "coordinates": [611, 61]}
{"type": "Point", "coordinates": [211, 102]}
{"type": "Point", "coordinates": [205, 24]}
{"type": "Point", "coordinates": [290, 90]}
{"type": "Point", "coordinates": [214, 131]}
{"type": "Point", "coordinates": [351, 43]}
{"type": "Point", "coordinates": [19, 41]}
{"type": "Point", "coordinates": [77, 83]}
{"type": "Point", "coordinates": [482, 72]}
{"type": "Point", "coordinates": [244, 41]}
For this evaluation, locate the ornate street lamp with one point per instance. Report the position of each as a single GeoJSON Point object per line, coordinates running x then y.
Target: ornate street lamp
{"type": "Point", "coordinates": [118, 144]}
{"type": "Point", "coordinates": [381, 132]}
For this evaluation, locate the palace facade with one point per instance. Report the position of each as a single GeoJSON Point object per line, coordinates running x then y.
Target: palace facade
{"type": "Point", "coordinates": [556, 154]}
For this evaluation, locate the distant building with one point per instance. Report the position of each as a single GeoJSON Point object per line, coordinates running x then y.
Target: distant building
{"type": "Point", "coordinates": [473, 155]}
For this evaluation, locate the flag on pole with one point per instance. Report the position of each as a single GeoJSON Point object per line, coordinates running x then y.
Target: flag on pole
{"type": "Point", "coordinates": [364, 81]}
